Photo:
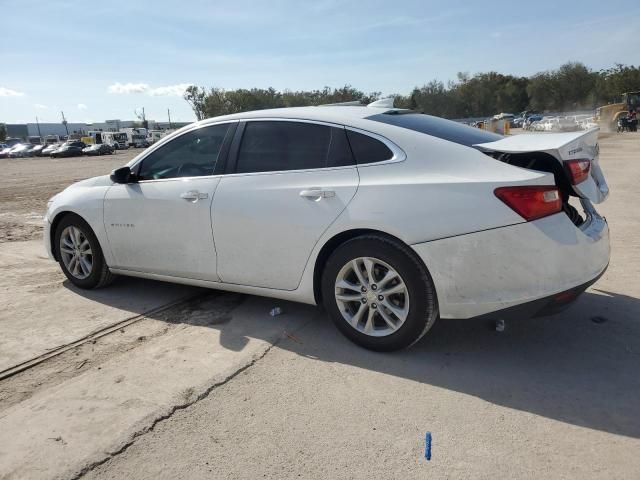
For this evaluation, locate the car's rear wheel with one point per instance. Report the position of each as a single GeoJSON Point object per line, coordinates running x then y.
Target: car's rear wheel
{"type": "Point", "coordinates": [378, 293]}
{"type": "Point", "coordinates": [79, 254]}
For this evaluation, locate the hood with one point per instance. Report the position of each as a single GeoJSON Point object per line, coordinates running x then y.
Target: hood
{"type": "Point", "coordinates": [101, 181]}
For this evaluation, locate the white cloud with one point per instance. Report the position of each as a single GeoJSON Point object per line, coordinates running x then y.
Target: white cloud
{"type": "Point", "coordinates": [82, 106]}
{"type": "Point", "coordinates": [7, 92]}
{"type": "Point", "coordinates": [169, 90]}
{"type": "Point", "coordinates": [128, 87]}
{"type": "Point", "coordinates": [40, 106]}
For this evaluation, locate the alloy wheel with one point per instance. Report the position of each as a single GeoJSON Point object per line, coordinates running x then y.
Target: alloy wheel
{"type": "Point", "coordinates": [372, 296]}
{"type": "Point", "coordinates": [76, 252]}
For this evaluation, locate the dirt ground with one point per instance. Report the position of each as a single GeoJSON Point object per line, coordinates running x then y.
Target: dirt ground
{"type": "Point", "coordinates": [149, 380]}
{"type": "Point", "coordinates": [27, 184]}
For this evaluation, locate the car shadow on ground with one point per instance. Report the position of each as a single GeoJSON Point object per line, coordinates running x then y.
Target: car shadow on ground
{"type": "Point", "coordinates": [581, 366]}
{"type": "Point", "coordinates": [137, 295]}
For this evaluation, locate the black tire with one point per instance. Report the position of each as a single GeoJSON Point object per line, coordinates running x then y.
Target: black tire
{"type": "Point", "coordinates": [100, 275]}
{"type": "Point", "coordinates": [423, 306]}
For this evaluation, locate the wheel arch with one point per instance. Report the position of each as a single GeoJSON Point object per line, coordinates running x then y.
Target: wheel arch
{"type": "Point", "coordinates": [54, 226]}
{"type": "Point", "coordinates": [334, 242]}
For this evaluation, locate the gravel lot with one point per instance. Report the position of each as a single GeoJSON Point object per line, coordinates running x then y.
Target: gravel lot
{"type": "Point", "coordinates": [147, 380]}
{"type": "Point", "coordinates": [27, 184]}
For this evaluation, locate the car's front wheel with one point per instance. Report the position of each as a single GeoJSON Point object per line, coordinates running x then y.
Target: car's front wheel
{"type": "Point", "coordinates": [378, 293]}
{"type": "Point", "coordinates": [79, 254]}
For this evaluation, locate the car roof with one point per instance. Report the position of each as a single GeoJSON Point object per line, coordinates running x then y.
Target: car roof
{"type": "Point", "coordinates": [322, 113]}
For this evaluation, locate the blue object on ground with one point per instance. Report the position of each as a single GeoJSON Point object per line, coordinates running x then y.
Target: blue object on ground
{"type": "Point", "coordinates": [427, 446]}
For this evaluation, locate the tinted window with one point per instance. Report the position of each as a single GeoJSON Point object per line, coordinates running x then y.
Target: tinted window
{"type": "Point", "coordinates": [275, 146]}
{"type": "Point", "coordinates": [339, 151]}
{"type": "Point", "coordinates": [437, 127]}
{"type": "Point", "coordinates": [193, 154]}
{"type": "Point", "coordinates": [367, 149]}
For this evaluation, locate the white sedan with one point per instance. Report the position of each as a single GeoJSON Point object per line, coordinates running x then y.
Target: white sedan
{"type": "Point", "coordinates": [387, 217]}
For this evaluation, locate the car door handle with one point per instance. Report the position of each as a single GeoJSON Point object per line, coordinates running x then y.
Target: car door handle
{"type": "Point", "coordinates": [317, 193]}
{"type": "Point", "coordinates": [193, 195]}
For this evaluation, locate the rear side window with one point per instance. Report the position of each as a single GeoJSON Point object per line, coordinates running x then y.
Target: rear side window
{"type": "Point", "coordinates": [437, 127]}
{"type": "Point", "coordinates": [271, 146]}
{"type": "Point", "coordinates": [367, 149]}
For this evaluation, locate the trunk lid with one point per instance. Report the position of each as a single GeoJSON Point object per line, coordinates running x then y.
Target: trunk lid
{"type": "Point", "coordinates": [562, 147]}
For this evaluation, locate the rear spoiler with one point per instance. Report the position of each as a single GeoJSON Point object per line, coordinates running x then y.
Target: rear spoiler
{"type": "Point", "coordinates": [564, 147]}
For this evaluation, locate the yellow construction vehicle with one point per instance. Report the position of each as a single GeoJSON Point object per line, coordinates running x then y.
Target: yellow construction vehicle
{"type": "Point", "coordinates": [607, 116]}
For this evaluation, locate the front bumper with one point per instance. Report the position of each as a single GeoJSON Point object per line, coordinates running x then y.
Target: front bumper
{"type": "Point", "coordinates": [494, 270]}
{"type": "Point", "coordinates": [47, 236]}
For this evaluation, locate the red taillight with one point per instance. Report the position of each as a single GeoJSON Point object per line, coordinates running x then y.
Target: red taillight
{"type": "Point", "coordinates": [578, 170]}
{"type": "Point", "coordinates": [531, 202]}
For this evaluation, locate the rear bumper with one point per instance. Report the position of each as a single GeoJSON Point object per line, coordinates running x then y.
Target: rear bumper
{"type": "Point", "coordinates": [530, 263]}
{"type": "Point", "coordinates": [543, 306]}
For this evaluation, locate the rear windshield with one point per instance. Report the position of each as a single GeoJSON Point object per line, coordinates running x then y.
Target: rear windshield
{"type": "Point", "coordinates": [437, 127]}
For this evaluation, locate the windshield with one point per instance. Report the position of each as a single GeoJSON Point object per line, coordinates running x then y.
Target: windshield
{"type": "Point", "coordinates": [437, 127]}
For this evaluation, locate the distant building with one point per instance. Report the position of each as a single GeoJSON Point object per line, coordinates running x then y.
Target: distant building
{"type": "Point", "coordinates": [16, 131]}
{"type": "Point", "coordinates": [54, 129]}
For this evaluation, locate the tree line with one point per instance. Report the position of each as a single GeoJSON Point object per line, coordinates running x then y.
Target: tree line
{"type": "Point", "coordinates": [573, 86]}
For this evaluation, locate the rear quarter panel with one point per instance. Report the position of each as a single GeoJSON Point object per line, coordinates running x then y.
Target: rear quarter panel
{"type": "Point", "coordinates": [440, 190]}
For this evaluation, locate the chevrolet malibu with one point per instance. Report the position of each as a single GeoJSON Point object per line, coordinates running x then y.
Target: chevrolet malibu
{"type": "Point", "coordinates": [388, 218]}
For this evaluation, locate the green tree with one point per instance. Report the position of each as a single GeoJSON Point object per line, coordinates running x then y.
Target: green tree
{"type": "Point", "coordinates": [195, 97]}
{"type": "Point", "coordinates": [3, 132]}
{"type": "Point", "coordinates": [569, 87]}
{"type": "Point", "coordinates": [611, 83]}
{"type": "Point", "coordinates": [572, 86]}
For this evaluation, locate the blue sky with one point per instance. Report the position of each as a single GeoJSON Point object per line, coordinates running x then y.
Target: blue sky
{"type": "Point", "coordinates": [102, 60]}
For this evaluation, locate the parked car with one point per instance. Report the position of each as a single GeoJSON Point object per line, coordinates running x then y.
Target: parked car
{"type": "Point", "coordinates": [530, 120]}
{"type": "Point", "coordinates": [37, 150]}
{"type": "Point", "coordinates": [518, 122]}
{"type": "Point", "coordinates": [559, 124]}
{"type": "Point", "coordinates": [588, 123]}
{"type": "Point", "coordinates": [389, 218]}
{"type": "Point", "coordinates": [69, 149]}
{"type": "Point", "coordinates": [49, 149]}
{"type": "Point", "coordinates": [101, 149]}
{"type": "Point", "coordinates": [12, 142]}
{"type": "Point", "coordinates": [21, 150]}
{"type": "Point", "coordinates": [4, 152]}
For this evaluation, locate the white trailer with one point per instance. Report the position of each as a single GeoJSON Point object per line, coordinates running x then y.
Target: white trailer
{"type": "Point", "coordinates": [154, 135]}
{"type": "Point", "coordinates": [51, 139]}
{"type": "Point", "coordinates": [116, 140]}
{"type": "Point", "coordinates": [136, 137]}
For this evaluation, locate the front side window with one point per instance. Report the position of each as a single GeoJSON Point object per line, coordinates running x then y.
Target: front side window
{"type": "Point", "coordinates": [269, 146]}
{"type": "Point", "coordinates": [193, 154]}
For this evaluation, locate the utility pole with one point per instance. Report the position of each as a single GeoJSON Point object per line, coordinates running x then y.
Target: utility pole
{"type": "Point", "coordinates": [142, 117]}
{"type": "Point", "coordinates": [169, 115]}
{"type": "Point", "coordinates": [64, 122]}
{"type": "Point", "coordinates": [38, 123]}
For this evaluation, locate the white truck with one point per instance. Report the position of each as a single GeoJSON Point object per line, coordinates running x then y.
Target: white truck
{"type": "Point", "coordinates": [154, 135]}
{"type": "Point", "coordinates": [115, 140]}
{"type": "Point", "coordinates": [51, 139]}
{"type": "Point", "coordinates": [136, 137]}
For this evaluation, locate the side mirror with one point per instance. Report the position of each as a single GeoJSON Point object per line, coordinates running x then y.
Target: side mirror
{"type": "Point", "coordinates": [122, 175]}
